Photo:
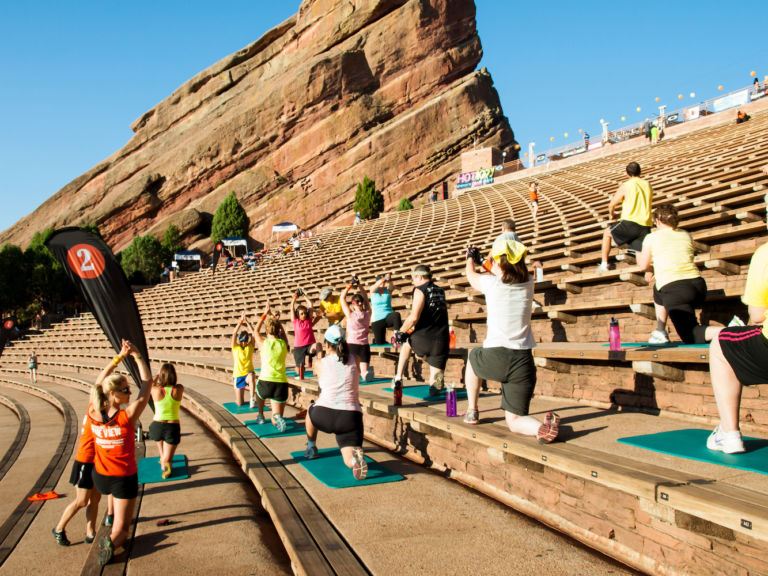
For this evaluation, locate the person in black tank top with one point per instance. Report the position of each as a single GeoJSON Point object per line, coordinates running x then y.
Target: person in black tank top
{"type": "Point", "coordinates": [428, 327]}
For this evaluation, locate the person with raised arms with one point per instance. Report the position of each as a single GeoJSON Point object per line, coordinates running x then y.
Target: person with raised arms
{"type": "Point", "coordinates": [273, 381]}
{"type": "Point", "coordinates": [166, 428]}
{"type": "Point", "coordinates": [114, 433]}
{"type": "Point", "coordinates": [358, 314]}
{"type": "Point", "coordinates": [243, 373]}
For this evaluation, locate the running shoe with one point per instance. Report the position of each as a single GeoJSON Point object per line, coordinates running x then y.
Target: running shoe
{"type": "Point", "coordinates": [658, 337]}
{"type": "Point", "coordinates": [603, 267]}
{"type": "Point", "coordinates": [360, 467]}
{"type": "Point", "coordinates": [252, 403]}
{"type": "Point", "coordinates": [472, 417]}
{"type": "Point", "coordinates": [167, 470]}
{"type": "Point", "coordinates": [439, 382]}
{"type": "Point", "coordinates": [61, 537]}
{"type": "Point", "coordinates": [279, 423]}
{"type": "Point", "coordinates": [106, 551]}
{"type": "Point", "coordinates": [311, 452]}
{"type": "Point", "coordinates": [736, 321]}
{"type": "Point", "coordinates": [260, 419]}
{"type": "Point", "coordinates": [109, 519]}
{"type": "Point", "coordinates": [549, 430]}
{"type": "Point", "coordinates": [727, 442]}
{"type": "Point", "coordinates": [90, 539]}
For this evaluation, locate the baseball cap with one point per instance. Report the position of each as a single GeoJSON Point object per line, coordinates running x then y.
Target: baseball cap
{"type": "Point", "coordinates": [513, 250]}
{"type": "Point", "coordinates": [334, 334]}
{"type": "Point", "coordinates": [325, 292]}
{"type": "Point", "coordinates": [421, 270]}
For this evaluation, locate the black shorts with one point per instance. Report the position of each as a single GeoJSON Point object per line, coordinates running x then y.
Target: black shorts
{"type": "Point", "coordinates": [746, 350]}
{"type": "Point", "coordinates": [168, 432]}
{"type": "Point", "coordinates": [347, 425]}
{"type": "Point", "coordinates": [267, 390]}
{"type": "Point", "coordinates": [122, 487]}
{"type": "Point", "coordinates": [628, 232]}
{"type": "Point", "coordinates": [80, 476]}
{"type": "Point", "coordinates": [432, 347]}
{"type": "Point", "coordinates": [514, 369]}
{"type": "Point", "coordinates": [681, 298]}
{"type": "Point", "coordinates": [300, 354]}
{"type": "Point", "coordinates": [362, 351]}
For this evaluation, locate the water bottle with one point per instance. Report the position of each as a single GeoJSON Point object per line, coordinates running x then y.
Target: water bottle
{"type": "Point", "coordinates": [450, 402]}
{"type": "Point", "coordinates": [301, 371]}
{"type": "Point", "coordinates": [614, 339]}
{"type": "Point", "coordinates": [398, 393]}
{"type": "Point", "coordinates": [139, 433]}
{"type": "Point", "coordinates": [452, 339]}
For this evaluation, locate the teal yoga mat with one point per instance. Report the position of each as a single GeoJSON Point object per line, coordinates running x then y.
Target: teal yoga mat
{"type": "Point", "coordinates": [422, 392]}
{"type": "Point", "coordinates": [667, 345]}
{"type": "Point", "coordinates": [233, 408]}
{"type": "Point", "coordinates": [268, 430]}
{"type": "Point", "coordinates": [375, 381]}
{"type": "Point", "coordinates": [691, 443]}
{"type": "Point", "coordinates": [329, 468]}
{"type": "Point", "coordinates": [293, 372]}
{"type": "Point", "coordinates": [150, 472]}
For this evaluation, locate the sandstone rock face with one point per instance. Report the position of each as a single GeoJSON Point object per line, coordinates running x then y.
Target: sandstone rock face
{"type": "Point", "coordinates": [291, 123]}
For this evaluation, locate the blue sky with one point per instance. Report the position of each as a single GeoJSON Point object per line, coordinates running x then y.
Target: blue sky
{"type": "Point", "coordinates": [76, 75]}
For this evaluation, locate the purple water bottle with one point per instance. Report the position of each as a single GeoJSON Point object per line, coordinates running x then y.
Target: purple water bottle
{"type": "Point", "coordinates": [450, 402]}
{"type": "Point", "coordinates": [614, 339]}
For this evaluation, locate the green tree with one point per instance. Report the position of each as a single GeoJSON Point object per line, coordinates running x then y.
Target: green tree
{"type": "Point", "coordinates": [13, 291]}
{"type": "Point", "coordinates": [368, 200]}
{"type": "Point", "coordinates": [230, 219]}
{"type": "Point", "coordinates": [92, 228]}
{"type": "Point", "coordinates": [171, 242]}
{"type": "Point", "coordinates": [142, 261]}
{"type": "Point", "coordinates": [405, 204]}
{"type": "Point", "coordinates": [46, 279]}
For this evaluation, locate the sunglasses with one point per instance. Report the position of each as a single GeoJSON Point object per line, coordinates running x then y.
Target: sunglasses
{"type": "Point", "coordinates": [125, 390]}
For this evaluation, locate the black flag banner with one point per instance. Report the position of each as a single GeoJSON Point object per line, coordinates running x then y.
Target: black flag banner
{"type": "Point", "coordinates": [92, 267]}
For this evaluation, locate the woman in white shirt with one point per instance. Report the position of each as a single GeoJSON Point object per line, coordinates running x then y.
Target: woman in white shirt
{"type": "Point", "coordinates": [506, 355]}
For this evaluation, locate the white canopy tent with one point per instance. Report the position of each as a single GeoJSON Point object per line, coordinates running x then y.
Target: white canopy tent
{"type": "Point", "coordinates": [283, 227]}
{"type": "Point", "coordinates": [234, 243]}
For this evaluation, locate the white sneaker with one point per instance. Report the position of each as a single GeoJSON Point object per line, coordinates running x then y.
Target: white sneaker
{"type": "Point", "coordinates": [253, 403]}
{"type": "Point", "coordinates": [603, 267]}
{"type": "Point", "coordinates": [728, 442]}
{"type": "Point", "coordinates": [736, 321]}
{"type": "Point", "coordinates": [658, 337]}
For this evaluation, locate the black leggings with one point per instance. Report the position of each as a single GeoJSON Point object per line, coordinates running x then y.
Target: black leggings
{"type": "Point", "coordinates": [379, 327]}
{"type": "Point", "coordinates": [681, 298]}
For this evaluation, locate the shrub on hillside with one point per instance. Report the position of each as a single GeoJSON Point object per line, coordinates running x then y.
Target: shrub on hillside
{"type": "Point", "coordinates": [13, 283]}
{"type": "Point", "coordinates": [230, 219]}
{"type": "Point", "coordinates": [405, 204]}
{"type": "Point", "coordinates": [171, 242]}
{"type": "Point", "coordinates": [142, 261]}
{"type": "Point", "coordinates": [368, 200]}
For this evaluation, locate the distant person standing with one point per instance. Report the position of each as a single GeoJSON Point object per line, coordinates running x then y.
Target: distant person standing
{"type": "Point", "coordinates": [32, 363]}
{"type": "Point", "coordinates": [243, 373]}
{"type": "Point", "coordinates": [533, 195]}
{"type": "Point", "coordinates": [634, 224]}
{"type": "Point", "coordinates": [166, 428]}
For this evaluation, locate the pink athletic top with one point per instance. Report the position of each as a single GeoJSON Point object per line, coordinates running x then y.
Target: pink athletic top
{"type": "Point", "coordinates": [339, 384]}
{"type": "Point", "coordinates": [303, 333]}
{"type": "Point", "coordinates": [358, 323]}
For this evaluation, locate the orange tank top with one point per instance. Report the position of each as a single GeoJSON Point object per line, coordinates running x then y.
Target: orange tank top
{"type": "Point", "coordinates": [115, 443]}
{"type": "Point", "coordinates": [85, 449]}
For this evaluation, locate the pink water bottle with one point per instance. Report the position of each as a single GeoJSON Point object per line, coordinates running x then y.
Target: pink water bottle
{"type": "Point", "coordinates": [397, 392]}
{"type": "Point", "coordinates": [301, 371]}
{"type": "Point", "coordinates": [614, 339]}
{"type": "Point", "coordinates": [450, 402]}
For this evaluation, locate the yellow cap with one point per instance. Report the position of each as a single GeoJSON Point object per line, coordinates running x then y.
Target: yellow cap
{"type": "Point", "coordinates": [513, 250]}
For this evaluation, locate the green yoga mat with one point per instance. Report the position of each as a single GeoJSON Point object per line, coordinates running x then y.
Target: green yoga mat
{"type": "Point", "coordinates": [293, 372]}
{"type": "Point", "coordinates": [268, 430]}
{"type": "Point", "coordinates": [375, 381]}
{"type": "Point", "coordinates": [381, 345]}
{"type": "Point", "coordinates": [150, 471]}
{"type": "Point", "coordinates": [233, 408]}
{"type": "Point", "coordinates": [422, 392]}
{"type": "Point", "coordinates": [691, 443]}
{"type": "Point", "coordinates": [330, 469]}
{"type": "Point", "coordinates": [667, 345]}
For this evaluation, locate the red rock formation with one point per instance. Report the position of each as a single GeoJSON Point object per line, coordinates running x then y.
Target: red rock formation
{"type": "Point", "coordinates": [384, 88]}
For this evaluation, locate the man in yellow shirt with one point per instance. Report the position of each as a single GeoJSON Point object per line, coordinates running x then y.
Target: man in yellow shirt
{"type": "Point", "coordinates": [331, 306]}
{"type": "Point", "coordinates": [739, 357]}
{"type": "Point", "coordinates": [635, 196]}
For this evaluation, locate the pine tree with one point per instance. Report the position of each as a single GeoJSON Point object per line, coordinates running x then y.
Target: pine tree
{"type": "Point", "coordinates": [230, 220]}
{"type": "Point", "coordinates": [405, 204]}
{"type": "Point", "coordinates": [368, 200]}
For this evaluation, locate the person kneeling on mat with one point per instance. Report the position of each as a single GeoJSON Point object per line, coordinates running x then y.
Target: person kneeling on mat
{"type": "Point", "coordinates": [337, 410]}
{"type": "Point", "coordinates": [273, 381]}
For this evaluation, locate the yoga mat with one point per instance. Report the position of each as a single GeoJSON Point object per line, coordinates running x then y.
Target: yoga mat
{"type": "Point", "coordinates": [150, 471]}
{"type": "Point", "coordinates": [422, 392]}
{"type": "Point", "coordinates": [268, 430]}
{"type": "Point", "coordinates": [375, 381]}
{"type": "Point", "coordinates": [667, 345]}
{"type": "Point", "coordinates": [691, 443]}
{"type": "Point", "coordinates": [233, 408]}
{"type": "Point", "coordinates": [292, 372]}
{"type": "Point", "coordinates": [330, 469]}
{"type": "Point", "coordinates": [381, 345]}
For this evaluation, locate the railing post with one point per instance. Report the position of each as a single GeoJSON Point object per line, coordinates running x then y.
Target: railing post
{"type": "Point", "coordinates": [531, 155]}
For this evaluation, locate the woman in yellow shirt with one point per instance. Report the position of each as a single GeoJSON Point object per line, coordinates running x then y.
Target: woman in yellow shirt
{"type": "Point", "coordinates": [679, 288]}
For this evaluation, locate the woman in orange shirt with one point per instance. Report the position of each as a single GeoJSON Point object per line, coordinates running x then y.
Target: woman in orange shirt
{"type": "Point", "coordinates": [113, 427]}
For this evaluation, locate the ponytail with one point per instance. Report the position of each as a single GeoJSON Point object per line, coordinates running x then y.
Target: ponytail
{"type": "Point", "coordinates": [342, 351]}
{"type": "Point", "coordinates": [98, 398]}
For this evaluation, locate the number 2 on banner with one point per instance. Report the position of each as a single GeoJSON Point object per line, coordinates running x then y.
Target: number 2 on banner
{"type": "Point", "coordinates": [86, 261]}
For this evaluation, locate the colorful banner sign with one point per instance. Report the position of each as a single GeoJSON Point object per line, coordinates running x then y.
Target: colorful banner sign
{"type": "Point", "coordinates": [477, 178]}
{"type": "Point", "coordinates": [736, 99]}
